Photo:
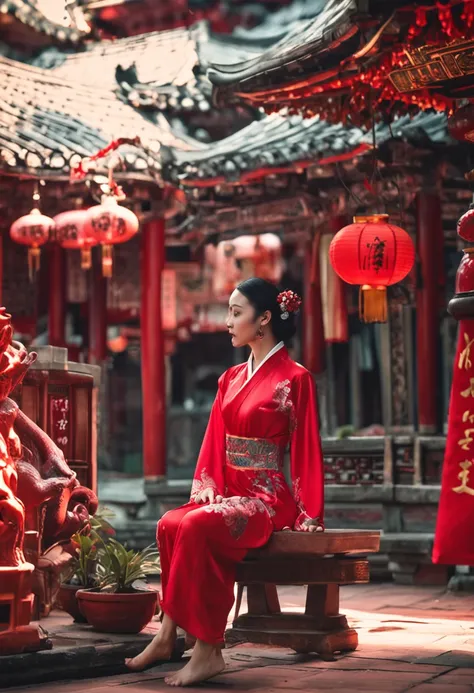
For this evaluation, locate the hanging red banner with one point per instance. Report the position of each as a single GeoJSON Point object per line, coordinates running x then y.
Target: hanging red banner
{"type": "Point", "coordinates": [454, 541]}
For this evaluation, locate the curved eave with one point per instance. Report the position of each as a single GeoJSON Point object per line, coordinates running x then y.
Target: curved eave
{"type": "Point", "coordinates": [62, 176]}
{"type": "Point", "coordinates": [278, 145]}
{"type": "Point", "coordinates": [310, 46]}
{"type": "Point", "coordinates": [250, 177]}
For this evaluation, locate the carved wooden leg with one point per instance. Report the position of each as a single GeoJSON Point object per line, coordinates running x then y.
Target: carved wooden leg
{"type": "Point", "coordinates": [262, 599]}
{"type": "Point", "coordinates": [321, 629]}
{"type": "Point", "coordinates": [332, 634]}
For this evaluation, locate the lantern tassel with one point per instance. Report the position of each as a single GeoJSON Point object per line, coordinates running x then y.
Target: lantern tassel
{"type": "Point", "coordinates": [86, 258]}
{"type": "Point", "coordinates": [373, 303]}
{"type": "Point", "coordinates": [107, 261]}
{"type": "Point", "coordinates": [34, 262]}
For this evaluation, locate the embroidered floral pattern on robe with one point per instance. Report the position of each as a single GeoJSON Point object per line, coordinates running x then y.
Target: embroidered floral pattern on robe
{"type": "Point", "coordinates": [253, 453]}
{"type": "Point", "coordinates": [285, 405]}
{"type": "Point", "coordinates": [201, 483]}
{"type": "Point", "coordinates": [303, 520]}
{"type": "Point", "coordinates": [236, 512]}
{"type": "Point", "coordinates": [268, 483]}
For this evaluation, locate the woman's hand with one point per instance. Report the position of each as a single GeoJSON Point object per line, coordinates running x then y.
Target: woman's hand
{"type": "Point", "coordinates": [314, 525]}
{"type": "Point", "coordinates": [208, 496]}
{"type": "Point", "coordinates": [315, 528]}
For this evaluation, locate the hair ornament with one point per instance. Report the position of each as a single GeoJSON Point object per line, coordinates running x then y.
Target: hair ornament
{"type": "Point", "coordinates": [289, 302]}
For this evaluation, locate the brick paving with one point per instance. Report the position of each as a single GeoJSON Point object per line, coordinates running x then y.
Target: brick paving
{"type": "Point", "coordinates": [417, 639]}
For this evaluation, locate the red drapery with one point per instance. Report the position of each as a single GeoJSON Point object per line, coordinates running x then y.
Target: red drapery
{"type": "Point", "coordinates": [454, 542]}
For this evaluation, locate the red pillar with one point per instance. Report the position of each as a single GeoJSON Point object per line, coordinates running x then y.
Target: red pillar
{"type": "Point", "coordinates": [314, 345]}
{"type": "Point", "coordinates": [97, 311]}
{"type": "Point", "coordinates": [153, 351]}
{"type": "Point", "coordinates": [57, 296]}
{"type": "Point", "coordinates": [431, 280]}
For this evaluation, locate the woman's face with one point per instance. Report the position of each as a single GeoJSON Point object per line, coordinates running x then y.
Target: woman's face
{"type": "Point", "coordinates": [241, 320]}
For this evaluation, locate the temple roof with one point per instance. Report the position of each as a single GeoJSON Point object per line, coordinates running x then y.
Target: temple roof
{"type": "Point", "coordinates": [164, 70]}
{"type": "Point", "coordinates": [330, 34]}
{"type": "Point", "coordinates": [155, 63]}
{"type": "Point", "coordinates": [47, 124]}
{"type": "Point", "coordinates": [277, 144]}
{"type": "Point", "coordinates": [358, 57]}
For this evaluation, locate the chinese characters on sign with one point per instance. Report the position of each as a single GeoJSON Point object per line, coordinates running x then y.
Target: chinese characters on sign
{"type": "Point", "coordinates": [60, 422]}
{"type": "Point", "coordinates": [465, 442]}
{"type": "Point", "coordinates": [465, 355]}
{"type": "Point", "coordinates": [453, 543]}
{"type": "Point", "coordinates": [469, 392]}
{"type": "Point", "coordinates": [463, 476]}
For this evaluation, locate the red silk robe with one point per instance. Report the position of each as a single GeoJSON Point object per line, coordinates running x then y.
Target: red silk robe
{"type": "Point", "coordinates": [251, 424]}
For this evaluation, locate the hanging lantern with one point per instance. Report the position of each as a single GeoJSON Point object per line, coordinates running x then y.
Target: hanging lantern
{"type": "Point", "coordinates": [465, 226]}
{"type": "Point", "coordinates": [33, 230]}
{"type": "Point", "coordinates": [375, 254]}
{"type": "Point", "coordinates": [72, 234]}
{"type": "Point", "coordinates": [110, 224]}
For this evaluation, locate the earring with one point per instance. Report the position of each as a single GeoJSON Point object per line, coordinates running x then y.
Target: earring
{"type": "Point", "coordinates": [260, 334]}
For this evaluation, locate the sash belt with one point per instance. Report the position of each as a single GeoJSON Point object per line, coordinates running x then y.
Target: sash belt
{"type": "Point", "coordinates": [253, 453]}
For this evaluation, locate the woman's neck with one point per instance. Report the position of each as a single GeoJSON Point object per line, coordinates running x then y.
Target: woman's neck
{"type": "Point", "coordinates": [262, 348]}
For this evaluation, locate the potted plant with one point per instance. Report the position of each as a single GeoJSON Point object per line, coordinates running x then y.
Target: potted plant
{"type": "Point", "coordinates": [81, 571]}
{"type": "Point", "coordinates": [122, 603]}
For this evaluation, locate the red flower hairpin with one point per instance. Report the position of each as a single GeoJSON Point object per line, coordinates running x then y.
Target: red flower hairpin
{"type": "Point", "coordinates": [289, 302]}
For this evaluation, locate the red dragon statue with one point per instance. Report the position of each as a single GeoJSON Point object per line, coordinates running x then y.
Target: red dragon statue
{"type": "Point", "coordinates": [38, 492]}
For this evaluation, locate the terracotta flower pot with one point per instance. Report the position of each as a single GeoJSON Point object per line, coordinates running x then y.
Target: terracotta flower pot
{"type": "Point", "coordinates": [110, 612]}
{"type": "Point", "coordinates": [68, 602]}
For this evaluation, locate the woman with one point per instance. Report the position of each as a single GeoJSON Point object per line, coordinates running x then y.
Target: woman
{"type": "Point", "coordinates": [239, 494]}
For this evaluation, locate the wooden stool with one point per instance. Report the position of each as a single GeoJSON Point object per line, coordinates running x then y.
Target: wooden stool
{"type": "Point", "coordinates": [322, 561]}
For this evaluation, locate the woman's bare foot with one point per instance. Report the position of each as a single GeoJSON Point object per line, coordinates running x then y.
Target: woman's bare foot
{"type": "Point", "coordinates": [206, 661]}
{"type": "Point", "coordinates": [159, 650]}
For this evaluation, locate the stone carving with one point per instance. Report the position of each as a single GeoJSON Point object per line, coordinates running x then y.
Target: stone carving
{"type": "Point", "coordinates": [12, 512]}
{"type": "Point", "coordinates": [15, 573]}
{"type": "Point", "coordinates": [55, 503]}
{"type": "Point", "coordinates": [38, 493]}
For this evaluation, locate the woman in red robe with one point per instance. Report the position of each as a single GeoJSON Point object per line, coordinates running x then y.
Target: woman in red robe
{"type": "Point", "coordinates": [239, 494]}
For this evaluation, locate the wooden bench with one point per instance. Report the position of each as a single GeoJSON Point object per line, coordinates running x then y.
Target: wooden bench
{"type": "Point", "coordinates": [323, 562]}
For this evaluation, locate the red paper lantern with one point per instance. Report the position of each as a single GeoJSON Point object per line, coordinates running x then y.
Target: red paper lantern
{"type": "Point", "coordinates": [110, 224]}
{"type": "Point", "coordinates": [465, 226]}
{"type": "Point", "coordinates": [72, 234]}
{"type": "Point", "coordinates": [33, 230]}
{"type": "Point", "coordinates": [465, 273]}
{"type": "Point", "coordinates": [375, 254]}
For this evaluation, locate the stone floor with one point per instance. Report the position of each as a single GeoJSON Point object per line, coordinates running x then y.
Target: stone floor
{"type": "Point", "coordinates": [416, 639]}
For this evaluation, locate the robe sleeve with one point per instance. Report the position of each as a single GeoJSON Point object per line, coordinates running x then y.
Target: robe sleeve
{"type": "Point", "coordinates": [306, 457]}
{"type": "Point", "coordinates": [209, 471]}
